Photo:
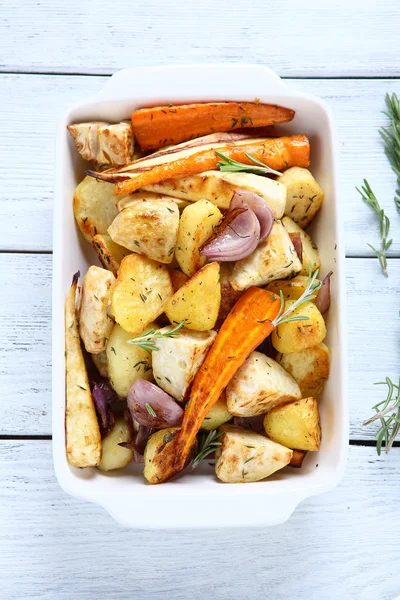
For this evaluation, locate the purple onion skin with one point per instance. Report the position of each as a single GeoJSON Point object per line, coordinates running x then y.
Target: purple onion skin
{"type": "Point", "coordinates": [244, 199]}
{"type": "Point", "coordinates": [253, 423]}
{"type": "Point", "coordinates": [298, 244]}
{"type": "Point", "coordinates": [237, 237]}
{"type": "Point", "coordinates": [144, 398]}
{"type": "Point", "coordinates": [323, 300]}
{"type": "Point", "coordinates": [102, 395]}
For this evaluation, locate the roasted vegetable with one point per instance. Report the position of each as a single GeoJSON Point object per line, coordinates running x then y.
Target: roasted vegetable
{"type": "Point", "coordinates": [248, 323]}
{"type": "Point", "coordinates": [195, 227]}
{"type": "Point", "coordinates": [246, 456]}
{"type": "Point", "coordinates": [159, 455]}
{"type": "Point", "coordinates": [177, 360]}
{"type": "Point", "coordinates": [310, 368]}
{"type": "Point", "coordinates": [103, 143]}
{"type": "Point", "coordinates": [297, 458]}
{"type": "Point", "coordinates": [275, 258]}
{"type": "Point", "coordinates": [150, 406]}
{"type": "Point", "coordinates": [259, 385]}
{"type": "Point", "coordinates": [295, 425]}
{"type": "Point", "coordinates": [94, 207]}
{"type": "Point", "coordinates": [292, 289]}
{"type": "Point", "coordinates": [197, 302]}
{"type": "Point", "coordinates": [219, 187]}
{"type": "Point", "coordinates": [310, 250]}
{"type": "Point", "coordinates": [277, 153]}
{"type": "Point", "coordinates": [140, 294]}
{"type": "Point", "coordinates": [114, 455]}
{"type": "Point", "coordinates": [126, 362]}
{"type": "Point", "coordinates": [109, 253]}
{"type": "Point", "coordinates": [95, 324]}
{"type": "Point", "coordinates": [163, 125]}
{"type": "Point", "coordinates": [217, 415]}
{"type": "Point", "coordinates": [148, 227]}
{"type": "Point", "coordinates": [83, 439]}
{"type": "Point", "coordinates": [299, 335]}
{"type": "Point", "coordinates": [304, 196]}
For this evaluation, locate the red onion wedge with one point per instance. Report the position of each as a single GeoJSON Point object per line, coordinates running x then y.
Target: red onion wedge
{"type": "Point", "coordinates": [103, 394]}
{"type": "Point", "coordinates": [260, 208]}
{"type": "Point", "coordinates": [298, 244]}
{"type": "Point", "coordinates": [149, 405]}
{"type": "Point", "coordinates": [254, 423]}
{"type": "Point", "coordinates": [236, 237]}
{"type": "Point", "coordinates": [323, 300]}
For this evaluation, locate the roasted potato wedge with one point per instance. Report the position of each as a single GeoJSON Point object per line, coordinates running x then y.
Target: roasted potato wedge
{"type": "Point", "coordinates": [114, 456]}
{"type": "Point", "coordinates": [177, 360]}
{"type": "Point", "coordinates": [126, 362]}
{"type": "Point", "coordinates": [83, 439]}
{"type": "Point", "coordinates": [95, 207]}
{"type": "Point", "coordinates": [219, 187]}
{"type": "Point", "coordinates": [246, 456]}
{"type": "Point", "coordinates": [295, 425]}
{"type": "Point", "coordinates": [197, 302]}
{"type": "Point", "coordinates": [195, 228]}
{"type": "Point", "coordinates": [95, 324]}
{"type": "Point", "coordinates": [259, 385]}
{"type": "Point", "coordinates": [292, 288]}
{"type": "Point", "coordinates": [304, 196]}
{"type": "Point", "coordinates": [275, 258]}
{"type": "Point", "coordinates": [100, 362]}
{"type": "Point", "coordinates": [296, 336]}
{"type": "Point", "coordinates": [310, 368]}
{"type": "Point", "coordinates": [109, 253]}
{"type": "Point", "coordinates": [297, 458]}
{"type": "Point", "coordinates": [158, 456]}
{"type": "Point", "coordinates": [148, 227]}
{"type": "Point", "coordinates": [217, 415]}
{"type": "Point", "coordinates": [310, 250]}
{"type": "Point", "coordinates": [141, 292]}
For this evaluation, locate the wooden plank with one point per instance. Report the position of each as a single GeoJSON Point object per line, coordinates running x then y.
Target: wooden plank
{"type": "Point", "coordinates": [339, 545]}
{"type": "Point", "coordinates": [81, 37]}
{"type": "Point", "coordinates": [28, 126]}
{"type": "Point", "coordinates": [25, 345]}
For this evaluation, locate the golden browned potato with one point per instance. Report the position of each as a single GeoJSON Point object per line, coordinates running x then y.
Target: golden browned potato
{"type": "Point", "coordinates": [126, 362]}
{"type": "Point", "coordinates": [141, 292]}
{"type": "Point", "coordinates": [296, 336]}
{"type": "Point", "coordinates": [292, 288]}
{"type": "Point", "coordinates": [95, 207]}
{"type": "Point", "coordinates": [310, 250]}
{"type": "Point", "coordinates": [304, 196]}
{"type": "Point", "coordinates": [217, 415]}
{"type": "Point", "coordinates": [83, 439]}
{"type": "Point", "coordinates": [109, 253]}
{"type": "Point", "coordinates": [259, 385]}
{"type": "Point", "coordinates": [274, 258]}
{"type": "Point", "coordinates": [148, 227]}
{"type": "Point", "coordinates": [295, 425]}
{"type": "Point", "coordinates": [219, 187]}
{"type": "Point", "coordinates": [246, 456]}
{"type": "Point", "coordinates": [197, 301]}
{"type": "Point", "coordinates": [114, 456]}
{"type": "Point", "coordinates": [196, 226]}
{"type": "Point", "coordinates": [297, 458]}
{"type": "Point", "coordinates": [95, 324]}
{"type": "Point", "coordinates": [310, 368]}
{"type": "Point", "coordinates": [157, 460]}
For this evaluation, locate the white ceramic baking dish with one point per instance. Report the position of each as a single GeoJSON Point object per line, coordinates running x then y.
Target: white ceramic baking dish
{"type": "Point", "coordinates": [198, 499]}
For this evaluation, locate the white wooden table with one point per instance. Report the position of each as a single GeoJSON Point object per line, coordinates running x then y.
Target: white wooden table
{"type": "Point", "coordinates": [340, 545]}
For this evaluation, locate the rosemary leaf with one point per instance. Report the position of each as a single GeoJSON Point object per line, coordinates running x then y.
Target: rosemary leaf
{"type": "Point", "coordinates": [313, 286]}
{"type": "Point", "coordinates": [388, 413]}
{"type": "Point", "coordinates": [207, 443]}
{"type": "Point", "coordinates": [233, 166]}
{"type": "Point", "coordinates": [391, 139]}
{"type": "Point", "coordinates": [146, 341]}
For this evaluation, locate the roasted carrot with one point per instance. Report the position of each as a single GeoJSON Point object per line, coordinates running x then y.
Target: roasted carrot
{"type": "Point", "coordinates": [246, 326]}
{"type": "Point", "coordinates": [164, 125]}
{"type": "Point", "coordinates": [277, 153]}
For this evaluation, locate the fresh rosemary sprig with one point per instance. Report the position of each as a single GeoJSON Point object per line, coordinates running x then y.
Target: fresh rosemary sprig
{"type": "Point", "coordinates": [391, 138]}
{"type": "Point", "coordinates": [309, 293]}
{"type": "Point", "coordinates": [233, 166]}
{"type": "Point", "coordinates": [384, 224]}
{"type": "Point", "coordinates": [146, 341]}
{"type": "Point", "coordinates": [208, 443]}
{"type": "Point", "coordinates": [388, 412]}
